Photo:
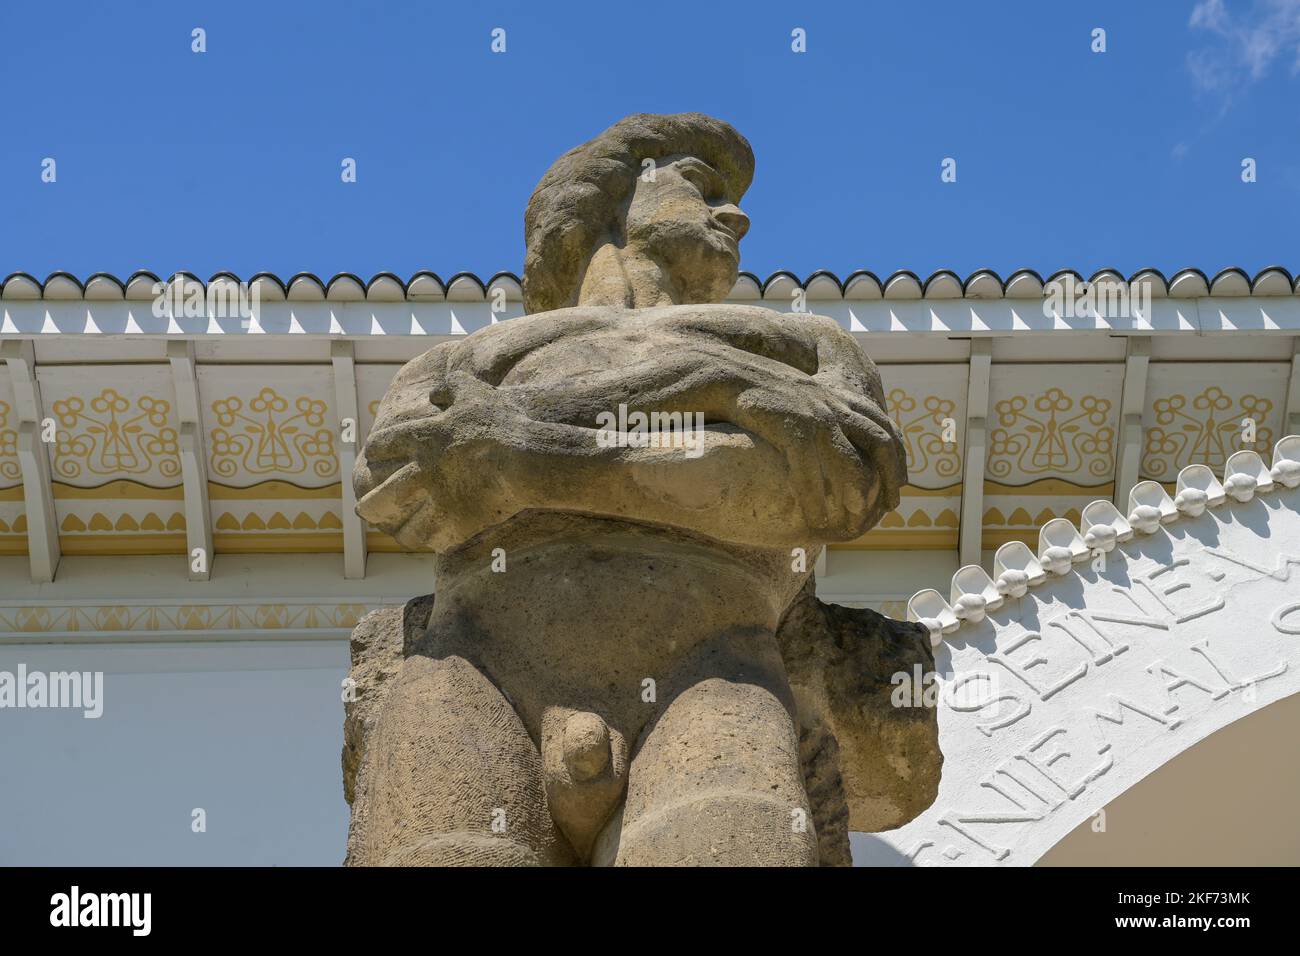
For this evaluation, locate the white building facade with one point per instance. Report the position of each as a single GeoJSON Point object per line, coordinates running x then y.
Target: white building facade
{"type": "Point", "coordinates": [176, 514]}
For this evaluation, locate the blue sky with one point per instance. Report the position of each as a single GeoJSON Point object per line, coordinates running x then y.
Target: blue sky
{"type": "Point", "coordinates": [230, 159]}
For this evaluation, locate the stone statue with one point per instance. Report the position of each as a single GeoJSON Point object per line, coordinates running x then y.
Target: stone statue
{"type": "Point", "coordinates": [601, 679]}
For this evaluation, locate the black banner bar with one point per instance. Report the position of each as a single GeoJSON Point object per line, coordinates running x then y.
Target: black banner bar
{"type": "Point", "coordinates": [456, 907]}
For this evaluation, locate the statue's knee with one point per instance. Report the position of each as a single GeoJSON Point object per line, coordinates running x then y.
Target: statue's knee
{"type": "Point", "coordinates": [742, 828]}
{"type": "Point", "coordinates": [464, 848]}
{"type": "Point", "coordinates": [451, 775]}
{"type": "Point", "coordinates": [718, 736]}
{"type": "Point", "coordinates": [717, 782]}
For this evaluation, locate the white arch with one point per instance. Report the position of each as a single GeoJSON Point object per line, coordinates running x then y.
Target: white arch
{"type": "Point", "coordinates": [1103, 675]}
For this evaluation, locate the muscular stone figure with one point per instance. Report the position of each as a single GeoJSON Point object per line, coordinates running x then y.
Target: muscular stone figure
{"type": "Point", "coordinates": [600, 679]}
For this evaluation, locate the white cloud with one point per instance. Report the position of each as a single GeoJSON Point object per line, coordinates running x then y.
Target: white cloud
{"type": "Point", "coordinates": [1249, 42]}
{"type": "Point", "coordinates": [1211, 14]}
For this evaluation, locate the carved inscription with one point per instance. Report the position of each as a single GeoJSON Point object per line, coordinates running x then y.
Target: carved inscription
{"type": "Point", "coordinates": [1099, 671]}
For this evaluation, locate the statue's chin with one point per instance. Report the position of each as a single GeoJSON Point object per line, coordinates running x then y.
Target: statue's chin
{"type": "Point", "coordinates": [712, 280]}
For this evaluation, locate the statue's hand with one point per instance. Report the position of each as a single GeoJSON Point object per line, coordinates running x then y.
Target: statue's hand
{"type": "Point", "coordinates": [804, 386]}
{"type": "Point", "coordinates": [433, 421]}
{"type": "Point", "coordinates": [388, 476]}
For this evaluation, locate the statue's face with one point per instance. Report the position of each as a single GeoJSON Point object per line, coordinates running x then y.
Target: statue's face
{"type": "Point", "coordinates": [682, 219]}
{"type": "Point", "coordinates": [793, 447]}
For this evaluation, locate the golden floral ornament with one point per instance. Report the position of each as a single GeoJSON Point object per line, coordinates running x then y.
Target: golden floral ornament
{"type": "Point", "coordinates": [1207, 430]}
{"type": "Point", "coordinates": [9, 466]}
{"type": "Point", "coordinates": [267, 438]}
{"type": "Point", "coordinates": [32, 619]}
{"type": "Point", "coordinates": [922, 431]}
{"type": "Point", "coordinates": [194, 617]}
{"type": "Point", "coordinates": [272, 616]}
{"type": "Point", "coordinates": [114, 618]}
{"type": "Point", "coordinates": [1057, 437]}
{"type": "Point", "coordinates": [115, 436]}
{"type": "Point", "coordinates": [347, 615]}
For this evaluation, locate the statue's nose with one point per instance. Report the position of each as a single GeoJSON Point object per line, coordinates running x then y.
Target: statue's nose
{"type": "Point", "coordinates": [735, 220]}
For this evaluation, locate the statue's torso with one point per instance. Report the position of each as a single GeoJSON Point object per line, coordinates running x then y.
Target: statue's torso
{"type": "Point", "coordinates": [604, 616]}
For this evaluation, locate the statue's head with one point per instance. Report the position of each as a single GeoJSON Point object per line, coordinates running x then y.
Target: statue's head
{"type": "Point", "coordinates": [644, 214]}
{"type": "Point", "coordinates": [791, 445]}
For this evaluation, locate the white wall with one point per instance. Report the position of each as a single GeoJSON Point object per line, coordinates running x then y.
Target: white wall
{"type": "Point", "coordinates": [249, 731]}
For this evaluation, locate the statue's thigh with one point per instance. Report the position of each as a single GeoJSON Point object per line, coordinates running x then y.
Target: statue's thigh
{"type": "Point", "coordinates": [454, 778]}
{"type": "Point", "coordinates": [717, 782]}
